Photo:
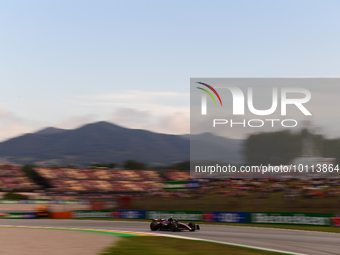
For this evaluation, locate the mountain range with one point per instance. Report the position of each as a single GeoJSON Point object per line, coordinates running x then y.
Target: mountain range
{"type": "Point", "coordinates": [104, 142]}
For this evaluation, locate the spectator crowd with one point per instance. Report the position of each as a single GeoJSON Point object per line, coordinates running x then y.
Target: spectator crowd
{"type": "Point", "coordinates": [13, 178]}
{"type": "Point", "coordinates": [81, 180]}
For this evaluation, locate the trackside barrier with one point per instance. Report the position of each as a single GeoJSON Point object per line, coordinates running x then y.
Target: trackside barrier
{"type": "Point", "coordinates": [141, 214]}
{"type": "Point", "coordinates": [315, 219]}
{"type": "Point", "coordinates": [180, 215]}
{"type": "Point", "coordinates": [19, 215]}
{"type": "Point", "coordinates": [228, 217]}
{"type": "Point", "coordinates": [335, 221]}
{"type": "Point", "coordinates": [129, 214]}
{"type": "Point", "coordinates": [60, 215]}
{"type": "Point", "coordinates": [92, 214]}
{"type": "Point", "coordinates": [312, 219]}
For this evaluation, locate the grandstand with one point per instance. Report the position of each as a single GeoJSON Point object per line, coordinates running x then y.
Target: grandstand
{"type": "Point", "coordinates": [101, 180]}
{"type": "Point", "coordinates": [12, 178]}
{"type": "Point", "coordinates": [118, 181]}
{"type": "Point", "coordinates": [174, 175]}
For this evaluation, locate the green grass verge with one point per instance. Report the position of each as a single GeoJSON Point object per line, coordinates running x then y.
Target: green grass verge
{"type": "Point", "coordinates": [296, 227]}
{"type": "Point", "coordinates": [151, 245]}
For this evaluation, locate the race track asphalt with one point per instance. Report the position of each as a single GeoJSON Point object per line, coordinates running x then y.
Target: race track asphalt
{"type": "Point", "coordinates": [294, 241]}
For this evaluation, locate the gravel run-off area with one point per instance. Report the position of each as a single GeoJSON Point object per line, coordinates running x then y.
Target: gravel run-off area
{"type": "Point", "coordinates": [21, 241]}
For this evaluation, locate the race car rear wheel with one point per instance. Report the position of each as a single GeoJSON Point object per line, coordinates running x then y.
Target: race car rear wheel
{"type": "Point", "coordinates": [173, 227]}
{"type": "Point", "coordinates": [154, 226]}
{"type": "Point", "coordinates": [192, 226]}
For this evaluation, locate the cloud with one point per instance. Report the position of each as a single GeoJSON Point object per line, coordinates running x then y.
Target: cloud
{"type": "Point", "coordinates": [172, 123]}
{"type": "Point", "coordinates": [177, 123]}
{"type": "Point", "coordinates": [76, 121]}
{"type": "Point", "coordinates": [131, 117]}
{"type": "Point", "coordinates": [147, 101]}
{"type": "Point", "coordinates": [134, 95]}
{"type": "Point", "coordinates": [12, 125]}
{"type": "Point", "coordinates": [158, 111]}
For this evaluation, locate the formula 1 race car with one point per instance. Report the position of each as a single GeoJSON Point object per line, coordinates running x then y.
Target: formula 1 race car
{"type": "Point", "coordinates": [172, 224]}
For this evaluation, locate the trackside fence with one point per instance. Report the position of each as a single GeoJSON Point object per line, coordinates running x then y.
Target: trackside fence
{"type": "Point", "coordinates": [281, 218]}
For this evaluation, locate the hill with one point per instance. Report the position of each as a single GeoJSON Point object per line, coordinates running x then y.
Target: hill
{"type": "Point", "coordinates": [99, 142]}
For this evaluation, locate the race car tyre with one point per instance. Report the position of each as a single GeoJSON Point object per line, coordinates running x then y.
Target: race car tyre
{"type": "Point", "coordinates": [154, 226]}
{"type": "Point", "coordinates": [173, 227]}
{"type": "Point", "coordinates": [192, 226]}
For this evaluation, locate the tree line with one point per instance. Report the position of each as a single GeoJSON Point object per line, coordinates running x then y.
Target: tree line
{"type": "Point", "coordinates": [282, 147]}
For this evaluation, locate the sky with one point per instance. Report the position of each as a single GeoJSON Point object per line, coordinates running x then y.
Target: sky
{"type": "Point", "coordinates": [68, 63]}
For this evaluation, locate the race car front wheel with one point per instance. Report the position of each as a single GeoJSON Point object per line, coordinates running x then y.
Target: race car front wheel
{"type": "Point", "coordinates": [192, 226]}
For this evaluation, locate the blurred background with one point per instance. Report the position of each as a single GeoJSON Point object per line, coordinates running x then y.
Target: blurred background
{"type": "Point", "coordinates": [94, 102]}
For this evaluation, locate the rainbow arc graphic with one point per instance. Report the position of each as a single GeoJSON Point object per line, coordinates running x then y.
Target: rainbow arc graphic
{"type": "Point", "coordinates": [213, 90]}
{"type": "Point", "coordinates": [204, 102]}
